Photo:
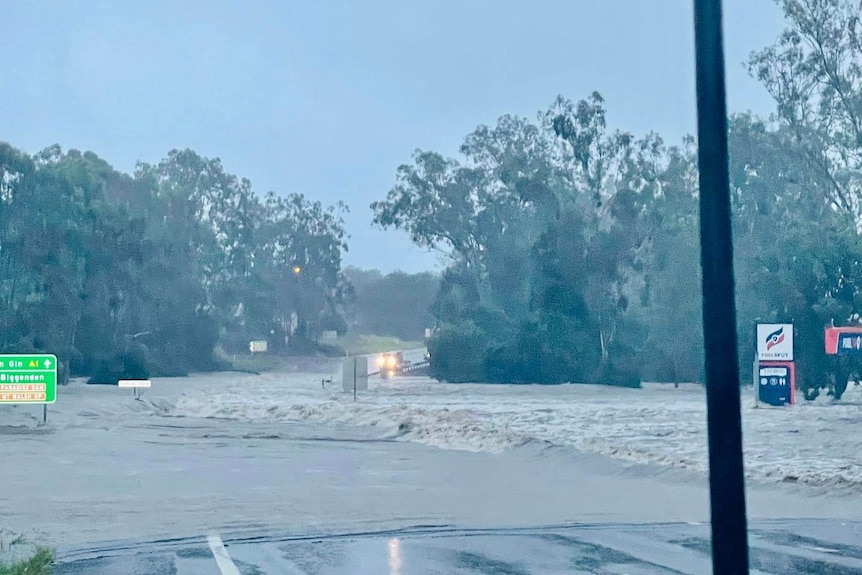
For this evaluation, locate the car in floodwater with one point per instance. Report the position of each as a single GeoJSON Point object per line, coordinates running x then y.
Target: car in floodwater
{"type": "Point", "coordinates": [391, 363]}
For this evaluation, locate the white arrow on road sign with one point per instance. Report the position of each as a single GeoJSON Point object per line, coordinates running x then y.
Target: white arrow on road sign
{"type": "Point", "coordinates": [47, 364]}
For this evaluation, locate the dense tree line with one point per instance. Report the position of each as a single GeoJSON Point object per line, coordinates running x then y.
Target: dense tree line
{"type": "Point", "coordinates": [573, 249]}
{"type": "Point", "coordinates": [397, 304]}
{"type": "Point", "coordinates": [147, 273]}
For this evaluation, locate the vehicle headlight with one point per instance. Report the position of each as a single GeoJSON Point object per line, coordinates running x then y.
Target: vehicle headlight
{"type": "Point", "coordinates": [381, 361]}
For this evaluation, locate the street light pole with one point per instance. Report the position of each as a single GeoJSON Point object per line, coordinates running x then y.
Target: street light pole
{"type": "Point", "coordinates": [724, 421]}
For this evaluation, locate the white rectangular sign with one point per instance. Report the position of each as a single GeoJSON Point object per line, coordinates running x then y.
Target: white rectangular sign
{"type": "Point", "coordinates": [329, 336]}
{"type": "Point", "coordinates": [134, 383]}
{"type": "Point", "coordinates": [354, 371]}
{"type": "Point", "coordinates": [257, 346]}
{"type": "Point", "coordinates": [775, 342]}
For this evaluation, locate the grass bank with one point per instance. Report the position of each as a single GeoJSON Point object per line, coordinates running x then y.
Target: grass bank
{"type": "Point", "coordinates": [358, 344]}
{"type": "Point", "coordinates": [352, 344]}
{"type": "Point", "coordinates": [257, 363]}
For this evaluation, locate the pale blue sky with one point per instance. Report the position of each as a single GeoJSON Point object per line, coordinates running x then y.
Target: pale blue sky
{"type": "Point", "coordinates": [328, 97]}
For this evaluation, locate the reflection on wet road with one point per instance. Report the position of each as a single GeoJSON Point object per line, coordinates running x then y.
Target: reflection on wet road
{"type": "Point", "coordinates": [778, 547]}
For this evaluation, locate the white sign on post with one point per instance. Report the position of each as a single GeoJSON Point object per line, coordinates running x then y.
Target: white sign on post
{"type": "Point", "coordinates": [354, 373]}
{"type": "Point", "coordinates": [134, 383]}
{"type": "Point", "coordinates": [257, 346]}
{"type": "Point", "coordinates": [775, 342]}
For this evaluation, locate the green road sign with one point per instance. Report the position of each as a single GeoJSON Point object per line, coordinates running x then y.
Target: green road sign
{"type": "Point", "coordinates": [28, 378]}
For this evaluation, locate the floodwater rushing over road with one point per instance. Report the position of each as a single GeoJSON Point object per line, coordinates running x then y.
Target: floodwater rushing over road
{"type": "Point", "coordinates": [812, 443]}
{"type": "Point", "coordinates": [281, 453]}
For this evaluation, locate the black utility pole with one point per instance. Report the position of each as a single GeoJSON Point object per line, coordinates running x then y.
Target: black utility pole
{"type": "Point", "coordinates": [726, 478]}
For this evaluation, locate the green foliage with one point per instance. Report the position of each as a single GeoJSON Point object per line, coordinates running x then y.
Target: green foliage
{"type": "Point", "coordinates": [575, 250]}
{"type": "Point", "coordinates": [814, 74]}
{"type": "Point", "coordinates": [143, 274]}
{"type": "Point", "coordinates": [295, 288]}
{"type": "Point", "coordinates": [812, 163]}
{"type": "Point", "coordinates": [458, 353]}
{"type": "Point", "coordinates": [39, 564]}
{"type": "Point", "coordinates": [397, 304]}
{"type": "Point", "coordinates": [544, 226]}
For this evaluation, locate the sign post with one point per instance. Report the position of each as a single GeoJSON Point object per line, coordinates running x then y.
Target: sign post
{"type": "Point", "coordinates": [354, 374]}
{"type": "Point", "coordinates": [774, 370]}
{"type": "Point", "coordinates": [29, 379]}
{"type": "Point", "coordinates": [136, 384]}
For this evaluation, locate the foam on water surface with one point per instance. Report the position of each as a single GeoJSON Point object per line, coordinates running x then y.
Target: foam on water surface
{"type": "Point", "coordinates": [813, 443]}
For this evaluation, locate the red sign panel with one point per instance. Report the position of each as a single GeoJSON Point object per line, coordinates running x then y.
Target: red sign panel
{"type": "Point", "coordinates": [843, 340]}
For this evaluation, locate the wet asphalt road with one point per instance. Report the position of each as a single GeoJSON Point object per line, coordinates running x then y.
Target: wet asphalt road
{"type": "Point", "coordinates": [260, 496]}
{"type": "Point", "coordinates": [782, 547]}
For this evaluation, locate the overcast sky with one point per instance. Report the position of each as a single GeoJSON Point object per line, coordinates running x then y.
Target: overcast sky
{"type": "Point", "coordinates": [328, 97]}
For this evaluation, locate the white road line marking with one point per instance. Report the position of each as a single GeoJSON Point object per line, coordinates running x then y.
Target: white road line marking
{"type": "Point", "coordinates": [268, 559]}
{"type": "Point", "coordinates": [223, 560]}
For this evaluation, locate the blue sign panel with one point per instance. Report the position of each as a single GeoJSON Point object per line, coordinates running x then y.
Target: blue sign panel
{"type": "Point", "coordinates": [774, 385]}
{"type": "Point", "coordinates": [849, 344]}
